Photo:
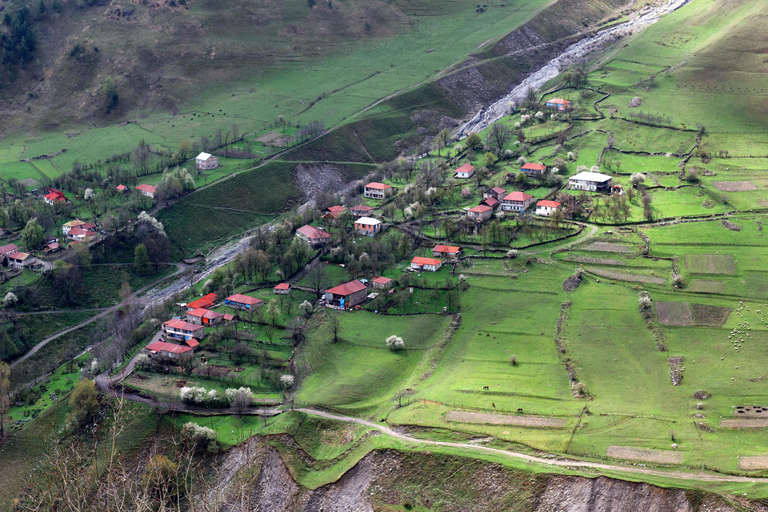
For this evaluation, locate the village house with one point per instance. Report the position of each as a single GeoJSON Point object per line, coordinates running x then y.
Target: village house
{"type": "Point", "coordinates": [492, 202]}
{"type": "Point", "coordinates": [367, 226]}
{"type": "Point", "coordinates": [123, 188]}
{"type": "Point", "coordinates": [170, 350]}
{"type": "Point", "coordinates": [312, 235]}
{"type": "Point", "coordinates": [376, 190]}
{"type": "Point", "coordinates": [546, 208]}
{"type": "Point", "coordinates": [480, 213]}
{"type": "Point", "coordinates": [80, 235]}
{"type": "Point", "coordinates": [466, 171]}
{"type": "Point", "coordinates": [446, 251]}
{"type": "Point", "coordinates": [206, 161]}
{"type": "Point", "coordinates": [590, 181]}
{"type": "Point", "coordinates": [17, 259]}
{"type": "Point", "coordinates": [244, 302]}
{"type": "Point", "coordinates": [181, 330]}
{"type": "Point", "coordinates": [532, 168]}
{"type": "Point", "coordinates": [346, 295]}
{"type": "Point", "coordinates": [5, 250]}
{"type": "Point", "coordinates": [333, 212]}
{"type": "Point", "coordinates": [202, 316]}
{"type": "Point", "coordinates": [71, 224]}
{"type": "Point", "coordinates": [54, 196]}
{"type": "Point", "coordinates": [282, 289]}
{"type": "Point", "coordinates": [361, 210]}
{"type": "Point", "coordinates": [147, 190]}
{"type": "Point", "coordinates": [429, 264]}
{"type": "Point", "coordinates": [51, 247]}
{"type": "Point", "coordinates": [495, 193]}
{"type": "Point", "coordinates": [381, 282]}
{"type": "Point", "coordinates": [517, 202]}
{"type": "Point", "coordinates": [560, 104]}
{"type": "Point", "coordinates": [204, 302]}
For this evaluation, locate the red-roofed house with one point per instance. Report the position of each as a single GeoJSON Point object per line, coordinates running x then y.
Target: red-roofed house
{"type": "Point", "coordinates": [430, 264]}
{"type": "Point", "coordinates": [381, 282]}
{"type": "Point", "coordinates": [464, 172]}
{"type": "Point", "coordinates": [170, 350]}
{"type": "Point", "coordinates": [203, 302]}
{"type": "Point", "coordinates": [559, 104]}
{"type": "Point", "coordinates": [496, 193]}
{"type": "Point", "coordinates": [202, 316]}
{"type": "Point", "coordinates": [80, 234]}
{"type": "Point", "coordinates": [77, 223]}
{"type": "Point", "coordinates": [491, 201]}
{"type": "Point", "coordinates": [245, 302]}
{"type": "Point", "coordinates": [333, 212]}
{"type": "Point", "coordinates": [54, 197]}
{"type": "Point", "coordinates": [533, 168]}
{"type": "Point", "coordinates": [181, 330]}
{"type": "Point", "coordinates": [123, 188]}
{"type": "Point", "coordinates": [17, 259]}
{"type": "Point", "coordinates": [480, 213]}
{"type": "Point", "coordinates": [147, 190]}
{"type": "Point", "coordinates": [445, 251]}
{"type": "Point", "coordinates": [312, 235]}
{"type": "Point", "coordinates": [376, 190]}
{"type": "Point", "coordinates": [282, 289]}
{"type": "Point", "coordinates": [517, 201]}
{"type": "Point", "coordinates": [7, 249]}
{"type": "Point", "coordinates": [546, 208]}
{"type": "Point", "coordinates": [361, 210]}
{"type": "Point", "coordinates": [346, 295]}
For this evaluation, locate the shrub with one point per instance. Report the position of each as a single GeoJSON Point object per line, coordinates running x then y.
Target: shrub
{"type": "Point", "coordinates": [512, 254]}
{"type": "Point", "coordinates": [194, 395]}
{"type": "Point", "coordinates": [645, 302]}
{"type": "Point", "coordinates": [466, 192]}
{"type": "Point", "coordinates": [395, 343]}
{"type": "Point", "coordinates": [635, 102]}
{"type": "Point", "coordinates": [637, 178]}
{"type": "Point", "coordinates": [201, 436]}
{"type": "Point", "coordinates": [240, 399]}
{"type": "Point", "coordinates": [142, 361]}
{"type": "Point", "coordinates": [287, 380]}
{"type": "Point", "coordinates": [513, 360]}
{"type": "Point", "coordinates": [580, 389]}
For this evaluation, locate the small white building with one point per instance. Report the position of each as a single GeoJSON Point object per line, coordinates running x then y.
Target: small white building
{"type": "Point", "coordinates": [464, 172]}
{"type": "Point", "coordinates": [546, 208]}
{"type": "Point", "coordinates": [206, 161]}
{"type": "Point", "coordinates": [591, 181]}
{"type": "Point", "coordinates": [517, 202]}
{"type": "Point", "coordinates": [367, 226]}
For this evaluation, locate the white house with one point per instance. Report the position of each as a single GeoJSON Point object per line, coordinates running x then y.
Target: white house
{"type": "Point", "coordinates": [516, 202]}
{"type": "Point", "coordinates": [376, 190]}
{"type": "Point", "coordinates": [464, 172]}
{"type": "Point", "coordinates": [206, 161]}
{"type": "Point", "coordinates": [591, 181]}
{"type": "Point", "coordinates": [147, 190]}
{"type": "Point", "coordinates": [367, 226]}
{"type": "Point", "coordinates": [546, 208]}
{"type": "Point", "coordinates": [429, 264]}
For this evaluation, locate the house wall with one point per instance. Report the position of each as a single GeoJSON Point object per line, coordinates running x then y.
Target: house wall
{"type": "Point", "coordinates": [374, 193]}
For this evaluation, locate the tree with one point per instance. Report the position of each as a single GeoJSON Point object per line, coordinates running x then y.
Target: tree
{"type": "Point", "coordinates": [637, 179]}
{"type": "Point", "coordinates": [5, 398]}
{"type": "Point", "coordinates": [395, 343]}
{"type": "Point", "coordinates": [241, 400]}
{"type": "Point", "coordinates": [335, 323]}
{"type": "Point", "coordinates": [185, 148]}
{"type": "Point", "coordinates": [499, 135]}
{"type": "Point", "coordinates": [111, 97]}
{"type": "Point", "coordinates": [84, 402]}
{"type": "Point", "coordinates": [317, 277]}
{"type": "Point", "coordinates": [273, 310]}
{"type": "Point", "coordinates": [473, 141]}
{"type": "Point", "coordinates": [33, 235]}
{"type": "Point", "coordinates": [441, 139]}
{"type": "Point", "coordinates": [141, 259]}
{"type": "Point", "coordinates": [647, 209]}
{"type": "Point", "coordinates": [489, 160]}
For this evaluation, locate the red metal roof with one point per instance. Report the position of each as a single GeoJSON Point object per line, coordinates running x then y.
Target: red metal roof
{"type": "Point", "coordinates": [481, 208]}
{"type": "Point", "coordinates": [192, 342]}
{"type": "Point", "coordinates": [175, 323]}
{"type": "Point", "coordinates": [161, 346]}
{"type": "Point", "coordinates": [21, 256]}
{"type": "Point", "coordinates": [361, 208]}
{"type": "Point", "coordinates": [78, 231]}
{"type": "Point", "coordinates": [313, 232]}
{"type": "Point", "coordinates": [426, 261]}
{"type": "Point", "coordinates": [550, 204]}
{"type": "Point", "coordinates": [534, 166]}
{"type": "Point", "coordinates": [122, 187]}
{"type": "Point", "coordinates": [498, 190]}
{"type": "Point", "coordinates": [378, 186]}
{"type": "Point", "coordinates": [8, 248]}
{"type": "Point", "coordinates": [347, 288]}
{"type": "Point", "coordinates": [465, 168]}
{"type": "Point", "coordinates": [243, 299]}
{"type": "Point", "coordinates": [204, 302]}
{"type": "Point", "coordinates": [447, 248]}
{"type": "Point", "coordinates": [491, 201]}
{"type": "Point", "coordinates": [559, 101]}
{"type": "Point", "coordinates": [146, 188]}
{"type": "Point", "coordinates": [335, 210]}
{"type": "Point", "coordinates": [517, 196]}
{"type": "Point", "coordinates": [381, 280]}
{"type": "Point", "coordinates": [283, 286]}
{"type": "Point", "coordinates": [87, 226]}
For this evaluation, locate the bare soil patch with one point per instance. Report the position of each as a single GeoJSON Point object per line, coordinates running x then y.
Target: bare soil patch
{"type": "Point", "coordinates": [274, 139]}
{"type": "Point", "coordinates": [621, 276]}
{"type": "Point", "coordinates": [710, 263]}
{"type": "Point", "coordinates": [707, 286]}
{"type": "Point", "coordinates": [676, 370]}
{"type": "Point", "coordinates": [710, 316]}
{"type": "Point", "coordinates": [609, 247]}
{"type": "Point", "coordinates": [505, 419]}
{"type": "Point", "coordinates": [212, 371]}
{"type": "Point", "coordinates": [744, 423]}
{"type": "Point", "coordinates": [644, 454]}
{"type": "Point", "coordinates": [571, 283]}
{"type": "Point", "coordinates": [753, 462]}
{"type": "Point", "coordinates": [751, 411]}
{"type": "Point", "coordinates": [730, 225]}
{"type": "Point", "coordinates": [674, 313]}
{"type": "Point", "coordinates": [734, 186]}
{"type": "Point", "coordinates": [594, 261]}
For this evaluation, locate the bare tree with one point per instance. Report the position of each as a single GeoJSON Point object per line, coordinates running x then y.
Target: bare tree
{"type": "Point", "coordinates": [499, 135]}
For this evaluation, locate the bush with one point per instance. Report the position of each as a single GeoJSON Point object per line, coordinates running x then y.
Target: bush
{"type": "Point", "coordinates": [512, 254]}
{"type": "Point", "coordinates": [201, 436]}
{"type": "Point", "coordinates": [239, 399]}
{"type": "Point", "coordinates": [84, 402]}
{"type": "Point", "coordinates": [395, 343]}
{"type": "Point", "coordinates": [193, 395]}
{"type": "Point", "coordinates": [287, 380]}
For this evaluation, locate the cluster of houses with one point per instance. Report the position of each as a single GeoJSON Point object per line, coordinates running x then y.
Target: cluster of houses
{"type": "Point", "coordinates": [12, 257]}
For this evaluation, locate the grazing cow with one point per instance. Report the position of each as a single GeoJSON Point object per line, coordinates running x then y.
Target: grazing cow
{"type": "Point", "coordinates": [520, 410]}
{"type": "Point", "coordinates": [493, 404]}
{"type": "Point", "coordinates": [486, 388]}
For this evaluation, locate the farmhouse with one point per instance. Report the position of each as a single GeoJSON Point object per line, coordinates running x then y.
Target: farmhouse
{"type": "Point", "coordinates": [51, 247]}
{"type": "Point", "coordinates": [517, 202]}
{"type": "Point", "coordinates": [71, 224]}
{"type": "Point", "coordinates": [430, 264]}
{"type": "Point", "coordinates": [346, 295]}
{"type": "Point", "coordinates": [546, 208]}
{"type": "Point", "coordinates": [7, 249]}
{"type": "Point", "coordinates": [282, 289]}
{"type": "Point", "coordinates": [204, 302]}
{"type": "Point", "coordinates": [367, 226]}
{"type": "Point", "coordinates": [170, 350]}
{"type": "Point", "coordinates": [17, 259]}
{"type": "Point", "coordinates": [381, 282]}
{"type": "Point", "coordinates": [491, 201]}
{"type": "Point", "coordinates": [446, 251]}
{"type": "Point", "coordinates": [591, 181]}
{"type": "Point", "coordinates": [480, 213]}
{"type": "Point", "coordinates": [202, 316]}
{"type": "Point", "coordinates": [123, 188]}
{"type": "Point", "coordinates": [559, 104]}
{"type": "Point", "coordinates": [81, 235]}
{"type": "Point", "coordinates": [205, 161]}
{"type": "Point", "coordinates": [533, 168]}
{"type": "Point", "coordinates": [376, 190]}
{"type": "Point", "coordinates": [312, 235]}
{"type": "Point", "coordinates": [147, 190]}
{"type": "Point", "coordinates": [54, 197]}
{"type": "Point", "coordinates": [361, 210]}
{"type": "Point", "coordinates": [181, 330]}
{"type": "Point", "coordinates": [333, 212]}
{"type": "Point", "coordinates": [244, 302]}
{"type": "Point", "coordinates": [464, 172]}
{"type": "Point", "coordinates": [495, 193]}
